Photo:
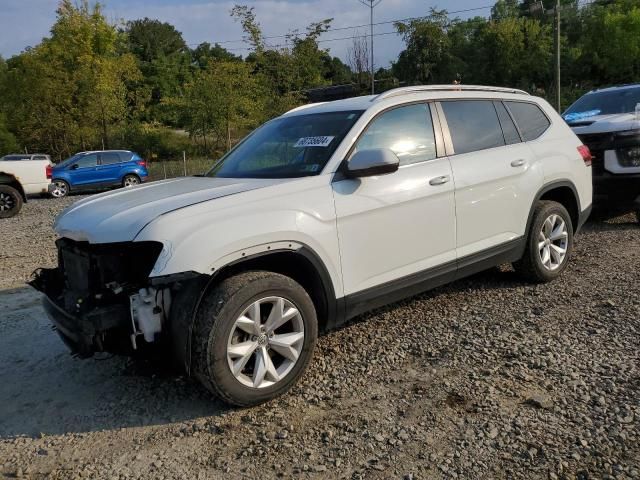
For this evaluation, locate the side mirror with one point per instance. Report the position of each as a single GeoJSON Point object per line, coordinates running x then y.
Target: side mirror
{"type": "Point", "coordinates": [367, 163]}
{"type": "Point", "coordinates": [74, 166]}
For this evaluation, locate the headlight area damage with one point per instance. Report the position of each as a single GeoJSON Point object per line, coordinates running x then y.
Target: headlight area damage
{"type": "Point", "coordinates": [100, 299]}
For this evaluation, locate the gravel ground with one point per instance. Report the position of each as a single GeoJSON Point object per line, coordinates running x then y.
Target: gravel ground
{"type": "Point", "coordinates": [485, 378]}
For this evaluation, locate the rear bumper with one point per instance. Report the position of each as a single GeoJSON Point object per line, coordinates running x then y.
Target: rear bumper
{"type": "Point", "coordinates": [616, 190]}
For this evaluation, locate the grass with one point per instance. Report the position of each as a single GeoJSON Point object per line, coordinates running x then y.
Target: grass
{"type": "Point", "coordinates": [162, 169]}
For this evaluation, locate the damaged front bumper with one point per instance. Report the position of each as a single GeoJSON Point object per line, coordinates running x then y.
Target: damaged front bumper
{"type": "Point", "coordinates": [89, 333]}
{"type": "Point", "coordinates": [88, 297]}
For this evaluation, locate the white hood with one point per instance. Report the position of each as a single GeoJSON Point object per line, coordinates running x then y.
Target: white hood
{"type": "Point", "coordinates": [118, 216]}
{"type": "Point", "coordinates": [605, 123]}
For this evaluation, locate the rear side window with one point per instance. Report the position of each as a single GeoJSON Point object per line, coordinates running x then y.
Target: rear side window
{"type": "Point", "coordinates": [407, 131]}
{"type": "Point", "coordinates": [530, 119]}
{"type": "Point", "coordinates": [109, 158]}
{"type": "Point", "coordinates": [509, 129]}
{"type": "Point", "coordinates": [473, 125]}
{"type": "Point", "coordinates": [87, 161]}
{"type": "Point", "coordinates": [126, 156]}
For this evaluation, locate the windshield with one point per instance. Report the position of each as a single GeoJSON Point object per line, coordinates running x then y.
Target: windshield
{"type": "Point", "coordinates": [287, 147]}
{"type": "Point", "coordinates": [623, 100]}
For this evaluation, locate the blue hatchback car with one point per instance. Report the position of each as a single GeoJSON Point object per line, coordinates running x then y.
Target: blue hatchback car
{"type": "Point", "coordinates": [98, 170]}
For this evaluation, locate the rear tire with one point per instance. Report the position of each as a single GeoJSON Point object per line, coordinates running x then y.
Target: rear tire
{"type": "Point", "coordinates": [10, 201]}
{"type": "Point", "coordinates": [246, 362]}
{"type": "Point", "coordinates": [549, 244]}
{"type": "Point", "coordinates": [130, 180]}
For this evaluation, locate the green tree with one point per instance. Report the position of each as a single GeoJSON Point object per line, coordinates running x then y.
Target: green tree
{"type": "Point", "coordinates": [72, 90]}
{"type": "Point", "coordinates": [205, 53]}
{"type": "Point", "coordinates": [427, 46]}
{"type": "Point", "coordinates": [505, 9]}
{"type": "Point", "coordinates": [8, 141]}
{"type": "Point", "coordinates": [151, 39]}
{"type": "Point", "coordinates": [610, 47]}
{"type": "Point", "coordinates": [222, 99]}
{"type": "Point", "coordinates": [164, 60]}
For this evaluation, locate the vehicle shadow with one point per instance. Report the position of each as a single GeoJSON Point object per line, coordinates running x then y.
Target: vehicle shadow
{"type": "Point", "coordinates": [602, 220]}
{"type": "Point", "coordinates": [44, 390]}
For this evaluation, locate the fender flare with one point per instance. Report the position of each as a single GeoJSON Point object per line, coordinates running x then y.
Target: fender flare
{"type": "Point", "coordinates": [193, 287]}
{"type": "Point", "coordinates": [11, 180]}
{"type": "Point", "coordinates": [547, 188]}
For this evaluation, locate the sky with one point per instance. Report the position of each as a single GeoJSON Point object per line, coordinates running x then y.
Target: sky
{"type": "Point", "coordinates": [24, 23]}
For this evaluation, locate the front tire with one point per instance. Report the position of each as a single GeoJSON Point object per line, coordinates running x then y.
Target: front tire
{"type": "Point", "coordinates": [253, 338]}
{"type": "Point", "coordinates": [549, 243]}
{"type": "Point", "coordinates": [10, 201]}
{"type": "Point", "coordinates": [60, 189]}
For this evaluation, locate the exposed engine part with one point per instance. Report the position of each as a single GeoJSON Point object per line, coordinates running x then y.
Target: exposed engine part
{"type": "Point", "coordinates": [149, 311]}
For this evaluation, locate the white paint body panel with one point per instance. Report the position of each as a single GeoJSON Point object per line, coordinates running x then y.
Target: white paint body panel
{"type": "Point", "coordinates": [493, 202]}
{"type": "Point", "coordinates": [32, 174]}
{"type": "Point", "coordinates": [557, 151]}
{"type": "Point", "coordinates": [366, 232]}
{"type": "Point", "coordinates": [300, 211]}
{"type": "Point", "coordinates": [391, 226]}
{"type": "Point", "coordinates": [118, 215]}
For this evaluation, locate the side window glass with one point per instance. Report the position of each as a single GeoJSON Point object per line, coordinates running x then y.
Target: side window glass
{"type": "Point", "coordinates": [407, 131]}
{"type": "Point", "coordinates": [531, 121]}
{"type": "Point", "coordinates": [128, 156]}
{"type": "Point", "coordinates": [87, 161]}
{"type": "Point", "coordinates": [109, 158]}
{"type": "Point", "coordinates": [509, 129]}
{"type": "Point", "coordinates": [473, 125]}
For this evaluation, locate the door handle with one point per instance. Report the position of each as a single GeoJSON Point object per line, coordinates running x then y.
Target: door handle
{"type": "Point", "coordinates": [518, 163]}
{"type": "Point", "coordinates": [439, 180]}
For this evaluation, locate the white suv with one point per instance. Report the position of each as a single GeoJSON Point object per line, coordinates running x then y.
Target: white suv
{"type": "Point", "coordinates": [317, 216]}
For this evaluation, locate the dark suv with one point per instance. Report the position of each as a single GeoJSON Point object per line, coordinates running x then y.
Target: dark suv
{"type": "Point", "coordinates": [96, 170]}
{"type": "Point", "coordinates": [608, 122]}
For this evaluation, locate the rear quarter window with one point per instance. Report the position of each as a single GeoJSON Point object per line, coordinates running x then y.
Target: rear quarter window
{"type": "Point", "coordinates": [530, 119]}
{"type": "Point", "coordinates": [127, 156]}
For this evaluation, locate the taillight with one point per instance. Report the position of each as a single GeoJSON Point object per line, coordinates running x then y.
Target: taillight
{"type": "Point", "coordinates": [142, 163]}
{"type": "Point", "coordinates": [585, 153]}
{"type": "Point", "coordinates": [49, 171]}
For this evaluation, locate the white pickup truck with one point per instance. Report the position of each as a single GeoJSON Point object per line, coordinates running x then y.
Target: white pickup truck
{"type": "Point", "coordinates": [19, 179]}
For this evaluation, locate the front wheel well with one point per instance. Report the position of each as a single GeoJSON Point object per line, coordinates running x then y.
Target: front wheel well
{"type": "Point", "coordinates": [565, 196]}
{"type": "Point", "coordinates": [294, 265]}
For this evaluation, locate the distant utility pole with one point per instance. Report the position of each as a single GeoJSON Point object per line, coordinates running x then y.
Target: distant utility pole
{"type": "Point", "coordinates": [371, 4]}
{"type": "Point", "coordinates": [558, 55]}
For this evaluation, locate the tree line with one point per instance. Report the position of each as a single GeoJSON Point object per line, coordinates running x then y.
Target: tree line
{"type": "Point", "coordinates": [92, 84]}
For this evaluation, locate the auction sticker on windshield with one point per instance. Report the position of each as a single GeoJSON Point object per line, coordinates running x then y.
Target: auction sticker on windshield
{"type": "Point", "coordinates": [322, 141]}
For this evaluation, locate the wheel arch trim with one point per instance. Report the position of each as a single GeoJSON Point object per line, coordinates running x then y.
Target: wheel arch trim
{"type": "Point", "coordinates": [13, 181]}
{"type": "Point", "coordinates": [548, 188]}
{"type": "Point", "coordinates": [182, 337]}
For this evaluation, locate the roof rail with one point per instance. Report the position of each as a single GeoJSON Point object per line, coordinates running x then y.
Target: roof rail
{"type": "Point", "coordinates": [444, 88]}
